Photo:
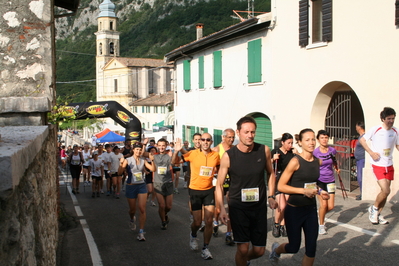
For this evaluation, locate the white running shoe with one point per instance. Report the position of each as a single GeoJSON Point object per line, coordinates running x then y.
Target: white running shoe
{"type": "Point", "coordinates": [373, 215]}
{"type": "Point", "coordinates": [322, 229]}
{"type": "Point", "coordinates": [140, 237]}
{"type": "Point", "coordinates": [206, 254]}
{"type": "Point", "coordinates": [185, 185]}
{"type": "Point", "coordinates": [381, 220]}
{"type": "Point", "coordinates": [193, 242]}
{"type": "Point", "coordinates": [274, 257]}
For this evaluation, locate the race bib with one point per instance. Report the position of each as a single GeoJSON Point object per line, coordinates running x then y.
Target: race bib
{"type": "Point", "coordinates": [161, 170]}
{"type": "Point", "coordinates": [312, 185]}
{"type": "Point", "coordinates": [138, 176]}
{"type": "Point", "coordinates": [331, 188]}
{"type": "Point", "coordinates": [75, 162]}
{"type": "Point", "coordinates": [250, 194]}
{"type": "Point", "coordinates": [386, 152]}
{"type": "Point", "coordinates": [206, 171]}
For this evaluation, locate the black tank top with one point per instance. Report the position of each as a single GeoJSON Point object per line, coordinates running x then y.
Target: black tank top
{"type": "Point", "coordinates": [308, 172]}
{"type": "Point", "coordinates": [126, 151]}
{"type": "Point", "coordinates": [247, 170]}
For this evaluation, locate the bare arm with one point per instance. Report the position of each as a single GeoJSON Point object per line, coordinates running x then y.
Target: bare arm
{"type": "Point", "coordinates": [271, 177]}
{"type": "Point", "coordinates": [223, 170]}
{"type": "Point", "coordinates": [150, 166]}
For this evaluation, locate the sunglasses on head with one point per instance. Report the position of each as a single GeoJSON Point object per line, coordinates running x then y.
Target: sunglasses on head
{"type": "Point", "coordinates": [208, 139]}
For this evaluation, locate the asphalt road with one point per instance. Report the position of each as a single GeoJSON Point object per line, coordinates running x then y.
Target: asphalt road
{"type": "Point", "coordinates": [102, 235]}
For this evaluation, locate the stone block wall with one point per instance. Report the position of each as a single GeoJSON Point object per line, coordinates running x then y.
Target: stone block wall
{"type": "Point", "coordinates": [28, 196]}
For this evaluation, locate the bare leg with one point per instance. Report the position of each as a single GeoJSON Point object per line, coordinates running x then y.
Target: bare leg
{"type": "Point", "coordinates": [381, 199]}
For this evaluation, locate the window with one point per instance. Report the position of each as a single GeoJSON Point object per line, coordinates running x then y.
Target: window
{"type": "Point", "coordinates": [111, 48]}
{"type": "Point", "coordinates": [320, 24]}
{"type": "Point", "coordinates": [143, 125]}
{"type": "Point", "coordinates": [255, 61]}
{"type": "Point", "coordinates": [162, 109]}
{"type": "Point", "coordinates": [316, 21]}
{"type": "Point", "coordinates": [186, 75]}
{"type": "Point", "coordinates": [134, 109]}
{"type": "Point", "coordinates": [115, 85]}
{"type": "Point", "coordinates": [111, 25]}
{"type": "Point", "coordinates": [217, 69]}
{"type": "Point", "coordinates": [100, 48]}
{"type": "Point", "coordinates": [147, 109]}
{"type": "Point", "coordinates": [142, 109]}
{"type": "Point", "coordinates": [201, 72]}
{"type": "Point", "coordinates": [155, 109]}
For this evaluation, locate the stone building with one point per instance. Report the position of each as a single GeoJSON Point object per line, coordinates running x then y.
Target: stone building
{"type": "Point", "coordinates": [28, 151]}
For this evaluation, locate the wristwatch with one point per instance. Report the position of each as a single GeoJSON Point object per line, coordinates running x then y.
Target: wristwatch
{"type": "Point", "coordinates": [273, 197]}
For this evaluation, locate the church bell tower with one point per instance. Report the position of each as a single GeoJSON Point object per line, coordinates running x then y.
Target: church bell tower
{"type": "Point", "coordinates": [107, 43]}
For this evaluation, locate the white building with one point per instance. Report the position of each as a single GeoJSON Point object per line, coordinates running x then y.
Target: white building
{"type": "Point", "coordinates": [321, 64]}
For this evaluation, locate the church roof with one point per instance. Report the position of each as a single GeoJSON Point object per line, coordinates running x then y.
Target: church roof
{"type": "Point", "coordinates": [155, 100]}
{"type": "Point", "coordinates": [140, 62]}
{"type": "Point", "coordinates": [107, 9]}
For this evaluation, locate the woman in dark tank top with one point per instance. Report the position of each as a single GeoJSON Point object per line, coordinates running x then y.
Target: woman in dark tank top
{"type": "Point", "coordinates": [299, 181]}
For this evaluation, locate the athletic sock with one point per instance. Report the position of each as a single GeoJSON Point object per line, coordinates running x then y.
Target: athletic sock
{"type": "Point", "coordinates": [375, 208]}
{"type": "Point", "coordinates": [193, 235]}
{"type": "Point", "coordinates": [141, 231]}
{"type": "Point", "coordinates": [205, 246]}
{"type": "Point", "coordinates": [228, 233]}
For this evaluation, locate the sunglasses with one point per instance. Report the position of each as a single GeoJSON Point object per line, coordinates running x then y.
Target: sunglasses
{"type": "Point", "coordinates": [206, 139]}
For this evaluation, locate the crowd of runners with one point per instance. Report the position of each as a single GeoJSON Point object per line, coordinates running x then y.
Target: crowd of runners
{"type": "Point", "coordinates": [227, 183]}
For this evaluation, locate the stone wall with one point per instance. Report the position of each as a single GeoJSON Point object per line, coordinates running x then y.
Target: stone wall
{"type": "Point", "coordinates": [28, 195]}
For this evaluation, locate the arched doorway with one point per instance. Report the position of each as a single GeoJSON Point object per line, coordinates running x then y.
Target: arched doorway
{"type": "Point", "coordinates": [341, 115]}
{"type": "Point", "coordinates": [263, 133]}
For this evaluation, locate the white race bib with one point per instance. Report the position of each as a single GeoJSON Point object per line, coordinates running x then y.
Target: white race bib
{"type": "Point", "coordinates": [161, 170]}
{"type": "Point", "coordinates": [250, 194]}
{"type": "Point", "coordinates": [331, 188]}
{"type": "Point", "coordinates": [138, 176]}
{"type": "Point", "coordinates": [312, 185]}
{"type": "Point", "coordinates": [206, 171]}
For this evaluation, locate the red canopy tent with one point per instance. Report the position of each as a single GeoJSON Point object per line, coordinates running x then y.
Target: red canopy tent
{"type": "Point", "coordinates": [103, 133]}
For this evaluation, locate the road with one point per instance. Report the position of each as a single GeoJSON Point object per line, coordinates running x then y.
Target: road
{"type": "Point", "coordinates": [103, 237]}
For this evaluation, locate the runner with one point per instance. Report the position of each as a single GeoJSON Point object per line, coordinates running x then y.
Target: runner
{"type": "Point", "coordinates": [299, 180]}
{"type": "Point", "coordinates": [203, 164]}
{"type": "Point", "coordinates": [100, 150]}
{"type": "Point", "coordinates": [280, 159]}
{"type": "Point", "coordinates": [64, 157]}
{"type": "Point", "coordinates": [163, 181]}
{"type": "Point", "coordinates": [75, 167]}
{"type": "Point", "coordinates": [136, 190]}
{"type": "Point", "coordinates": [106, 158]}
{"type": "Point", "coordinates": [327, 179]}
{"type": "Point", "coordinates": [228, 137]}
{"type": "Point", "coordinates": [149, 178]}
{"type": "Point", "coordinates": [116, 157]}
{"type": "Point", "coordinates": [384, 139]}
{"type": "Point", "coordinates": [96, 168]}
{"type": "Point", "coordinates": [86, 157]}
{"type": "Point", "coordinates": [246, 164]}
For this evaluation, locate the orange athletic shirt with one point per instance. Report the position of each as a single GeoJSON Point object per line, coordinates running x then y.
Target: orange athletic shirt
{"type": "Point", "coordinates": [201, 175]}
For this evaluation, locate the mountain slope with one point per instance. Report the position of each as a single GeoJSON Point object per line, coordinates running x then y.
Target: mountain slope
{"type": "Point", "coordinates": [148, 29]}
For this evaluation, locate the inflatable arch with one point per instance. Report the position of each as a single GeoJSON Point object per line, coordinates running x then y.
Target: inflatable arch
{"type": "Point", "coordinates": [104, 109]}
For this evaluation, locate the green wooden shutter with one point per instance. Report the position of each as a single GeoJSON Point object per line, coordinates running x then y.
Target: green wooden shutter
{"type": "Point", "coordinates": [205, 130]}
{"type": "Point", "coordinates": [217, 69]}
{"type": "Point", "coordinates": [192, 132]}
{"type": "Point", "coordinates": [217, 137]}
{"type": "Point", "coordinates": [255, 61]}
{"type": "Point", "coordinates": [327, 20]}
{"type": "Point", "coordinates": [263, 134]}
{"type": "Point", "coordinates": [186, 75]}
{"type": "Point", "coordinates": [183, 133]}
{"type": "Point", "coordinates": [201, 72]}
{"type": "Point", "coordinates": [303, 23]}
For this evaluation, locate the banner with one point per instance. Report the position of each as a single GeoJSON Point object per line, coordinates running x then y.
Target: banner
{"type": "Point", "coordinates": [104, 109]}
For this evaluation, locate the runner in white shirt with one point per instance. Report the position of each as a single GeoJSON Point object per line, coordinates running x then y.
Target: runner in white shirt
{"type": "Point", "coordinates": [86, 157]}
{"type": "Point", "coordinates": [106, 156]}
{"type": "Point", "coordinates": [384, 139]}
{"type": "Point", "coordinates": [96, 168]}
{"type": "Point", "coordinates": [116, 157]}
